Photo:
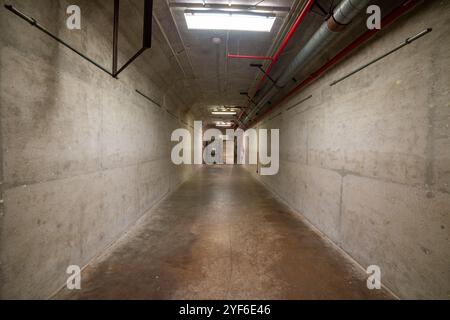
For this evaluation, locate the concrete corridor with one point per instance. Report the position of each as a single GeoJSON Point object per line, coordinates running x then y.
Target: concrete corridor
{"type": "Point", "coordinates": [222, 235]}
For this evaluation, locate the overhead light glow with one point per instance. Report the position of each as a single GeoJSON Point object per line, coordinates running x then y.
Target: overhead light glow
{"type": "Point", "coordinates": [224, 124]}
{"type": "Point", "coordinates": [229, 20]}
{"type": "Point", "coordinates": [224, 113]}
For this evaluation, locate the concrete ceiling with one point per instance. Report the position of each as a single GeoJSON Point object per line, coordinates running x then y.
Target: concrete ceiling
{"type": "Point", "coordinates": [217, 80]}
{"type": "Point", "coordinates": [212, 78]}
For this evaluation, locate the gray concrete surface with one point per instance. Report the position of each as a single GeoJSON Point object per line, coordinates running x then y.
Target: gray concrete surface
{"type": "Point", "coordinates": [367, 161]}
{"type": "Point", "coordinates": [84, 156]}
{"type": "Point", "coordinates": [222, 235]}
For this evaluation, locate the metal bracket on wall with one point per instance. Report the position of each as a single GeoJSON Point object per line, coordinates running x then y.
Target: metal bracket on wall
{"type": "Point", "coordinates": [299, 103]}
{"type": "Point", "coordinates": [405, 43]}
{"type": "Point", "coordinates": [148, 98]}
{"type": "Point", "coordinates": [146, 42]}
{"type": "Point", "coordinates": [275, 116]}
{"type": "Point", "coordinates": [172, 114]}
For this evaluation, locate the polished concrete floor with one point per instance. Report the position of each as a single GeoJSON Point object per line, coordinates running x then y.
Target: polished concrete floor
{"type": "Point", "coordinates": [222, 235]}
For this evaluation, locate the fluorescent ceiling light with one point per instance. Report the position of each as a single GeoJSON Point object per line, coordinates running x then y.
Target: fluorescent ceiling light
{"type": "Point", "coordinates": [224, 124]}
{"type": "Point", "coordinates": [224, 113]}
{"type": "Point", "coordinates": [228, 20]}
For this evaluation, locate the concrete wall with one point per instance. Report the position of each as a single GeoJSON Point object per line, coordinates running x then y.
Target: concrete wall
{"type": "Point", "coordinates": [368, 161]}
{"type": "Point", "coordinates": [83, 156]}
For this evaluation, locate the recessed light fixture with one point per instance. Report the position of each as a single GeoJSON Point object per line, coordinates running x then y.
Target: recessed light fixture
{"type": "Point", "coordinates": [224, 124]}
{"type": "Point", "coordinates": [224, 113]}
{"type": "Point", "coordinates": [229, 20]}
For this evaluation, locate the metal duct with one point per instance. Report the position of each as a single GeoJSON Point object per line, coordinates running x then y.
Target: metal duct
{"type": "Point", "coordinates": [328, 31]}
{"type": "Point", "coordinates": [347, 10]}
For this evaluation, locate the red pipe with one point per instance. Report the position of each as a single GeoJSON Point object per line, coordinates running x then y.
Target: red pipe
{"type": "Point", "coordinates": [240, 56]}
{"type": "Point", "coordinates": [290, 34]}
{"type": "Point", "coordinates": [406, 6]}
{"type": "Point", "coordinates": [283, 45]}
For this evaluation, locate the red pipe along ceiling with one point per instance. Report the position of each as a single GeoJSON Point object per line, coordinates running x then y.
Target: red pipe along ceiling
{"type": "Point", "coordinates": [389, 19]}
{"type": "Point", "coordinates": [286, 40]}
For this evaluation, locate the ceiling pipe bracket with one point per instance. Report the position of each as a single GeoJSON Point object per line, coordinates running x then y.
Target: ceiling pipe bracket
{"type": "Point", "coordinates": [368, 64]}
{"type": "Point", "coordinates": [260, 68]}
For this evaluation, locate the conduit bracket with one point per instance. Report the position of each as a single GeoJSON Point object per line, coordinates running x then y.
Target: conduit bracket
{"type": "Point", "coordinates": [248, 97]}
{"type": "Point", "coordinates": [172, 114]}
{"type": "Point", "coordinates": [324, 12]}
{"type": "Point", "coordinates": [299, 103]}
{"type": "Point", "coordinates": [368, 64]}
{"type": "Point", "coordinates": [148, 98]}
{"type": "Point", "coordinates": [146, 42]}
{"type": "Point", "coordinates": [275, 116]}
